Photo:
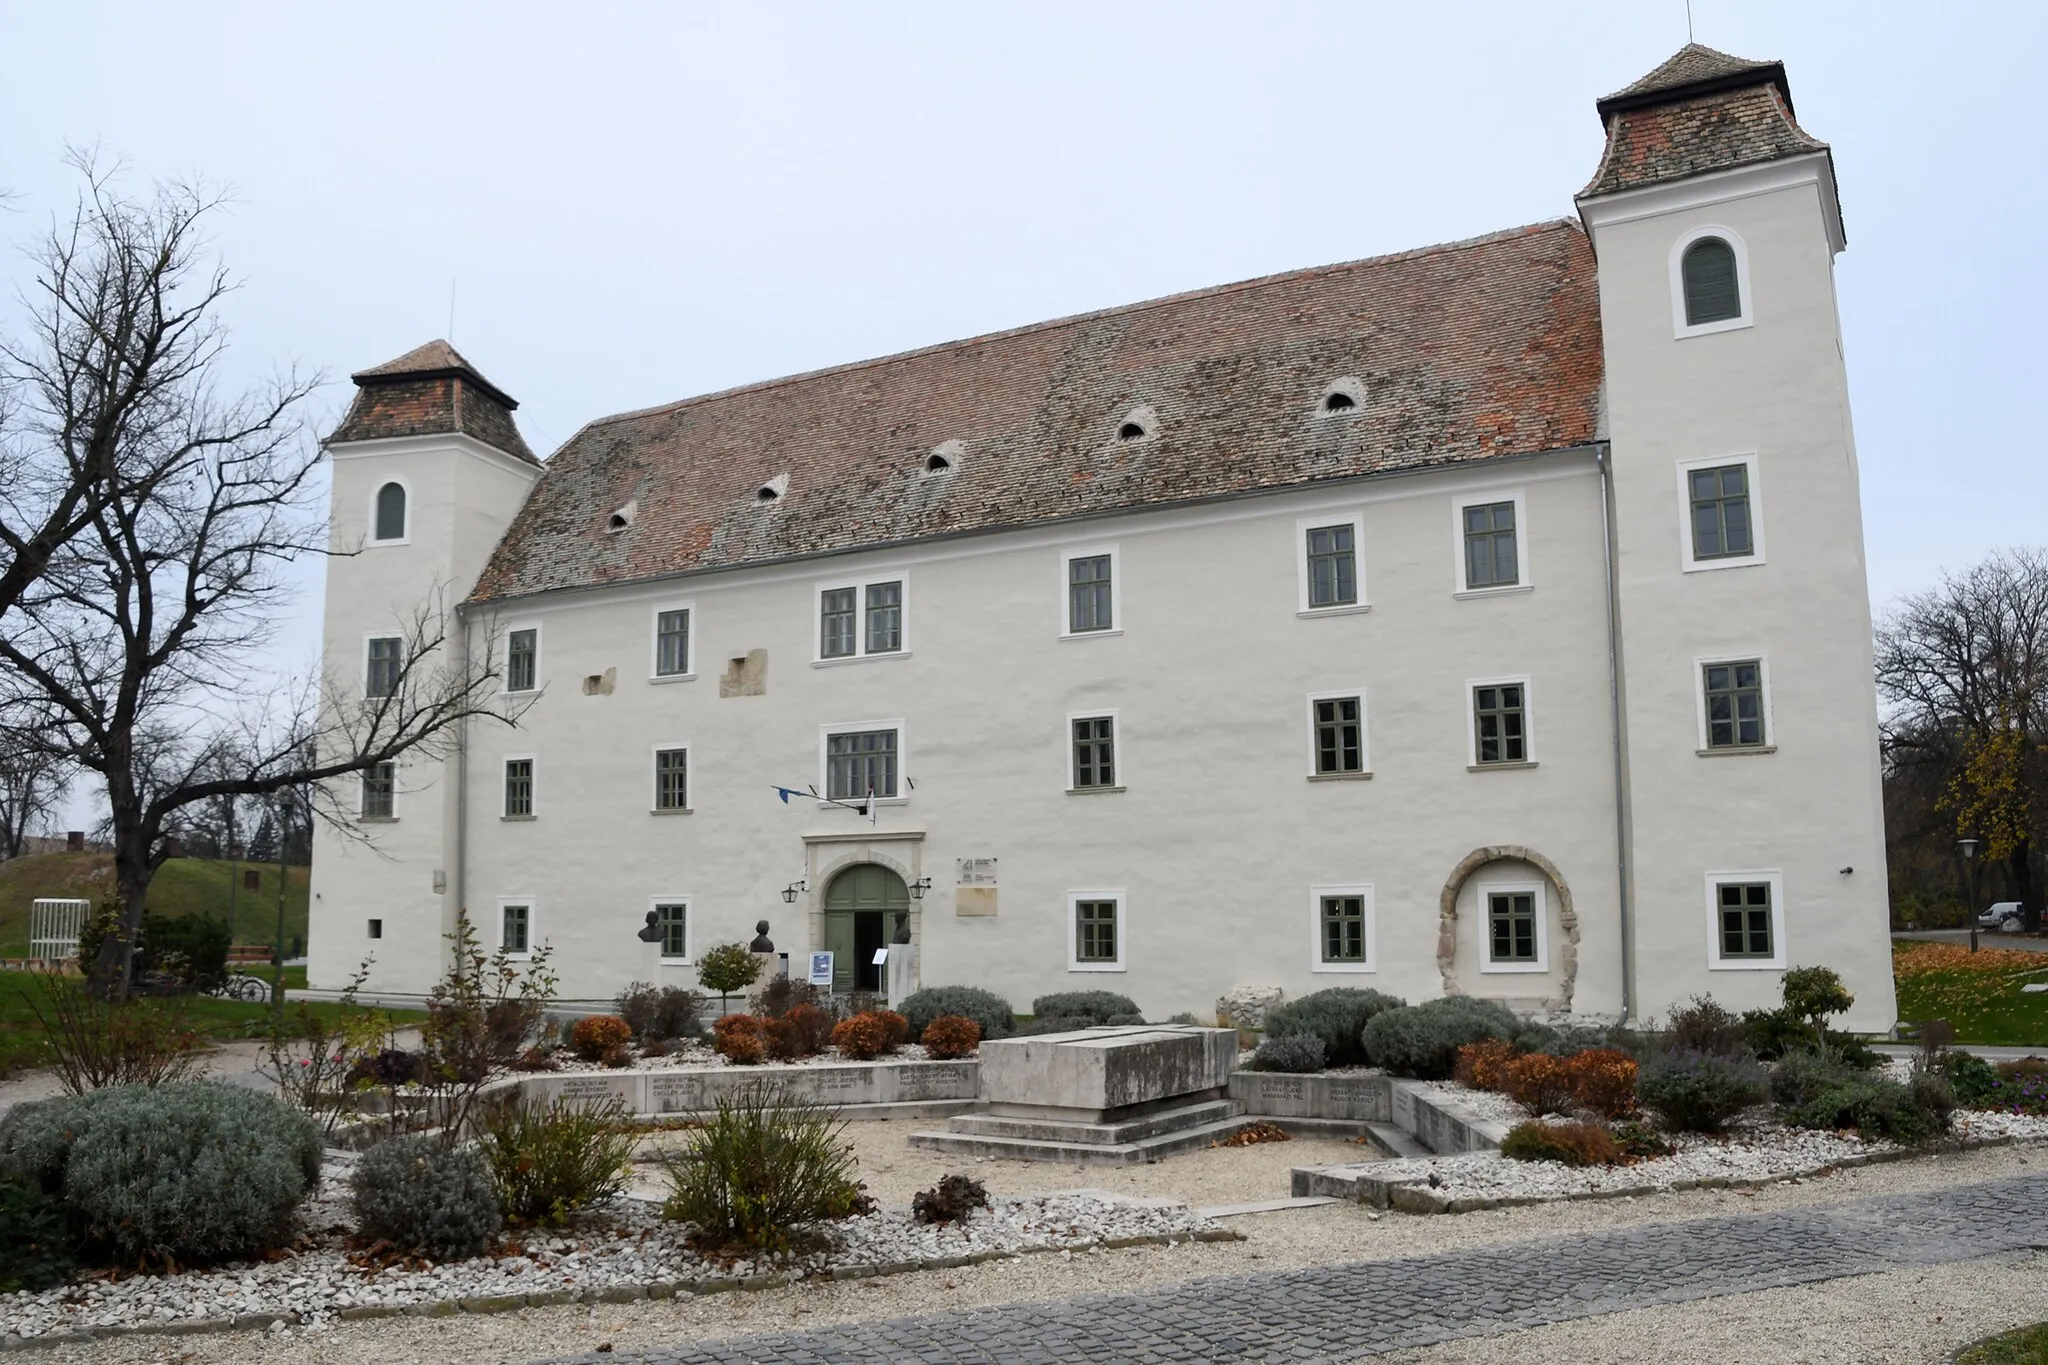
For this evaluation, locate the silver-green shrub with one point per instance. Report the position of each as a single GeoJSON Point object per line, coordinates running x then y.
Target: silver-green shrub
{"type": "Point", "coordinates": [1296, 1052]}
{"type": "Point", "coordinates": [1337, 1016]}
{"type": "Point", "coordinates": [985, 1008]}
{"type": "Point", "coordinates": [1101, 1006]}
{"type": "Point", "coordinates": [423, 1197]}
{"type": "Point", "coordinates": [1423, 1041]}
{"type": "Point", "coordinates": [185, 1173]}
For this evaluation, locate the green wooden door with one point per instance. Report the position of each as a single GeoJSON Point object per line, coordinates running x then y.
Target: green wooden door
{"type": "Point", "coordinates": [864, 891]}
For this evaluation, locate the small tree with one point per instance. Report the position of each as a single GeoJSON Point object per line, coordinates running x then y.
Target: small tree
{"type": "Point", "coordinates": [727, 968]}
{"type": "Point", "coordinates": [1814, 993]}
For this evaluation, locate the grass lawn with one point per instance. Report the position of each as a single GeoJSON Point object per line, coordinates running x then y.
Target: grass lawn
{"type": "Point", "coordinates": [1978, 993]}
{"type": "Point", "coordinates": [221, 1020]}
{"type": "Point", "coordinates": [2026, 1346]}
{"type": "Point", "coordinates": [183, 886]}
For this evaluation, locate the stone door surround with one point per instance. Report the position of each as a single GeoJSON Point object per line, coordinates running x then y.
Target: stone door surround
{"type": "Point", "coordinates": [1568, 919]}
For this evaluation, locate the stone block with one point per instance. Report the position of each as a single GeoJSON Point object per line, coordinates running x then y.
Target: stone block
{"type": "Point", "coordinates": [1247, 1006]}
{"type": "Point", "coordinates": [1103, 1073]}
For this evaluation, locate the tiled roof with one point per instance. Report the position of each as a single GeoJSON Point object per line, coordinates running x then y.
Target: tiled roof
{"type": "Point", "coordinates": [427, 391]}
{"type": "Point", "coordinates": [1477, 349]}
{"type": "Point", "coordinates": [1700, 111]}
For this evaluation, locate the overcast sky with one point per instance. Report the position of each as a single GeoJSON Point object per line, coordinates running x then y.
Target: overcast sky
{"type": "Point", "coordinates": [635, 203]}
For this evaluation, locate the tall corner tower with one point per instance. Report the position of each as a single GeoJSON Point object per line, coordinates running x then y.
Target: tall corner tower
{"type": "Point", "coordinates": [1753, 785]}
{"type": "Point", "coordinates": [429, 470]}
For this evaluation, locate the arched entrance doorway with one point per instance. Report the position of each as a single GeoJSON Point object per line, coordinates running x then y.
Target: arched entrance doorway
{"type": "Point", "coordinates": [860, 911]}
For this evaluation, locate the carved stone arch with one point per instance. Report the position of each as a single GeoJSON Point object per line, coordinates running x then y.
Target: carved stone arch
{"type": "Point", "coordinates": [1567, 917]}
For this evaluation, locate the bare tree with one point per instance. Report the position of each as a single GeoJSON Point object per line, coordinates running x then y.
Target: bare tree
{"type": "Point", "coordinates": [138, 634]}
{"type": "Point", "coordinates": [1963, 672]}
{"type": "Point", "coordinates": [33, 779]}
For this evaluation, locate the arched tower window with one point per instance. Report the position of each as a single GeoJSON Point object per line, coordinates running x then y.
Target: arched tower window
{"type": "Point", "coordinates": [391, 512]}
{"type": "Point", "coordinates": [1713, 293]}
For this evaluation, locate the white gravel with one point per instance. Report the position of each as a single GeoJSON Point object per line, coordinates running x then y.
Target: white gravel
{"type": "Point", "coordinates": [1487, 1104]}
{"type": "Point", "coordinates": [692, 1055]}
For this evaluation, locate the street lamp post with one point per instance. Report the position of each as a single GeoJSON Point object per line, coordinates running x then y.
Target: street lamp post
{"type": "Point", "coordinates": [1968, 849]}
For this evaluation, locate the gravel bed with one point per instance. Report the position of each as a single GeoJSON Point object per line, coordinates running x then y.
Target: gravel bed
{"type": "Point", "coordinates": [1487, 1104]}
{"type": "Point", "coordinates": [625, 1248]}
{"type": "Point", "coordinates": [693, 1055]}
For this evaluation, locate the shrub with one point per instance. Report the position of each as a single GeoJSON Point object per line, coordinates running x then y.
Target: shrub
{"type": "Point", "coordinates": [1296, 1052]}
{"type": "Point", "coordinates": [1814, 993]}
{"type": "Point", "coordinates": [426, 1199]}
{"type": "Point", "coordinates": [897, 1029]}
{"type": "Point", "coordinates": [1802, 1074]}
{"type": "Point", "coordinates": [759, 1169]}
{"type": "Point", "coordinates": [1707, 1027]}
{"type": "Point", "coordinates": [1773, 1034]}
{"type": "Point", "coordinates": [595, 1035]}
{"type": "Point", "coordinates": [863, 1038]}
{"type": "Point", "coordinates": [1479, 1064]}
{"type": "Point", "coordinates": [803, 1032]}
{"type": "Point", "coordinates": [784, 993]}
{"type": "Point", "coordinates": [659, 1013]}
{"type": "Point", "coordinates": [1124, 1020]}
{"type": "Point", "coordinates": [1569, 1040]}
{"type": "Point", "coordinates": [1053, 1024]}
{"type": "Point", "coordinates": [1877, 1107]}
{"type": "Point", "coordinates": [951, 1200]}
{"type": "Point", "coordinates": [1698, 1092]}
{"type": "Point", "coordinates": [36, 1251]}
{"type": "Point", "coordinates": [1423, 1040]}
{"type": "Point", "coordinates": [950, 1036]}
{"type": "Point", "coordinates": [191, 949]}
{"type": "Point", "coordinates": [985, 1008]}
{"type": "Point", "coordinates": [1640, 1142]}
{"type": "Point", "coordinates": [727, 968]}
{"type": "Point", "coordinates": [739, 1038]}
{"type": "Point", "coordinates": [1574, 1144]}
{"type": "Point", "coordinates": [94, 1043]}
{"type": "Point", "coordinates": [1538, 1082]}
{"type": "Point", "coordinates": [1602, 1081]}
{"type": "Point", "coordinates": [1100, 1006]}
{"type": "Point", "coordinates": [1973, 1079]}
{"type": "Point", "coordinates": [547, 1161]}
{"type": "Point", "coordinates": [1337, 1016]}
{"type": "Point", "coordinates": [391, 1066]}
{"type": "Point", "coordinates": [186, 1173]}
{"type": "Point", "coordinates": [1183, 1018]}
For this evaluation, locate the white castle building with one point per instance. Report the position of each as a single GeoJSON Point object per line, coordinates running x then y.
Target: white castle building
{"type": "Point", "coordinates": [1489, 618]}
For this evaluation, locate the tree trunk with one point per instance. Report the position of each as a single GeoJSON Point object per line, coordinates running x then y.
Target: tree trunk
{"type": "Point", "coordinates": [2020, 863]}
{"type": "Point", "coordinates": [112, 970]}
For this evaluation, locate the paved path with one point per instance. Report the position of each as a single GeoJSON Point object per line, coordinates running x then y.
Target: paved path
{"type": "Point", "coordinates": [1347, 1311]}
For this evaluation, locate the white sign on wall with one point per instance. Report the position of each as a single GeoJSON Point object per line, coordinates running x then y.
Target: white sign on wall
{"type": "Point", "coordinates": [821, 970]}
{"type": "Point", "coordinates": [977, 872]}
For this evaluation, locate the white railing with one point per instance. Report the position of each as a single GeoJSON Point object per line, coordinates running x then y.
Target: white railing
{"type": "Point", "coordinates": [53, 927]}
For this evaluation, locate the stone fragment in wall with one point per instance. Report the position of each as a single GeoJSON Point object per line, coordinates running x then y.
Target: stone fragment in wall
{"type": "Point", "coordinates": [746, 676]}
{"type": "Point", "coordinates": [1247, 1006]}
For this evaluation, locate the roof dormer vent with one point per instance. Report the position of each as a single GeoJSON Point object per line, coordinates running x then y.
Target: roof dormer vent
{"type": "Point", "coordinates": [772, 490]}
{"type": "Point", "coordinates": [621, 519]}
{"type": "Point", "coordinates": [1344, 395]}
{"type": "Point", "coordinates": [1139, 424]}
{"type": "Point", "coordinates": [944, 458]}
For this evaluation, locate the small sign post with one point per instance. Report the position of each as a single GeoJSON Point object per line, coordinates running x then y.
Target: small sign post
{"type": "Point", "coordinates": [821, 970]}
{"type": "Point", "coordinates": [881, 957]}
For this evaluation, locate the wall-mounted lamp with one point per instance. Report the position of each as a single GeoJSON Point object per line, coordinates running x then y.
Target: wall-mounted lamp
{"type": "Point", "coordinates": [919, 887]}
{"type": "Point", "coordinates": [795, 889]}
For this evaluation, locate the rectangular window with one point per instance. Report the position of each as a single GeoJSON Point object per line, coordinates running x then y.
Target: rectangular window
{"type": "Point", "coordinates": [671, 779]}
{"type": "Point", "coordinates": [1089, 605]}
{"type": "Point", "coordinates": [1342, 922]}
{"type": "Point", "coordinates": [1720, 511]}
{"type": "Point", "coordinates": [672, 922]}
{"type": "Point", "coordinates": [835, 629]}
{"type": "Point", "coordinates": [1745, 909]}
{"type": "Point", "coordinates": [380, 786]}
{"type": "Point", "coordinates": [376, 928]}
{"type": "Point", "coordinates": [522, 654]}
{"type": "Point", "coordinates": [1332, 566]}
{"type": "Point", "coordinates": [885, 617]}
{"type": "Point", "coordinates": [1095, 932]}
{"type": "Point", "coordinates": [1490, 558]}
{"type": "Point", "coordinates": [515, 927]}
{"type": "Point", "coordinates": [1095, 751]}
{"type": "Point", "coordinates": [518, 786]}
{"type": "Point", "coordinates": [859, 762]}
{"type": "Point", "coordinates": [386, 663]}
{"type": "Point", "coordinates": [1511, 927]}
{"type": "Point", "coordinates": [1500, 723]}
{"type": "Point", "coordinates": [672, 643]}
{"type": "Point", "coordinates": [1340, 735]}
{"type": "Point", "coordinates": [1735, 703]}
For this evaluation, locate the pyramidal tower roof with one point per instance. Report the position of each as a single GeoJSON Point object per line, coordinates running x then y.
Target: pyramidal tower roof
{"type": "Point", "coordinates": [431, 390]}
{"type": "Point", "coordinates": [1692, 66]}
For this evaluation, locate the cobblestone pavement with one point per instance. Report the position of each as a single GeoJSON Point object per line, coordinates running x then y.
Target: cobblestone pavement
{"type": "Point", "coordinates": [1343, 1312]}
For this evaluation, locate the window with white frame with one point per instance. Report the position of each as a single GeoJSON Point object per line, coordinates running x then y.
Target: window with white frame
{"type": "Point", "coordinates": [861, 620]}
{"type": "Point", "coordinates": [1491, 534]}
{"type": "Point", "coordinates": [1734, 713]}
{"type": "Point", "coordinates": [1330, 580]}
{"type": "Point", "coordinates": [385, 664]}
{"type": "Point", "coordinates": [1343, 928]}
{"type": "Point", "coordinates": [863, 760]}
{"type": "Point", "coordinates": [672, 642]}
{"type": "Point", "coordinates": [1095, 937]}
{"type": "Point", "coordinates": [515, 927]}
{"type": "Point", "coordinates": [1091, 587]}
{"type": "Point", "coordinates": [1710, 282]}
{"type": "Point", "coordinates": [1513, 916]}
{"type": "Point", "coordinates": [380, 789]}
{"type": "Point", "coordinates": [672, 778]}
{"type": "Point", "coordinates": [522, 659]}
{"type": "Point", "coordinates": [1746, 920]}
{"type": "Point", "coordinates": [1093, 745]}
{"type": "Point", "coordinates": [518, 788]}
{"type": "Point", "coordinates": [1720, 513]}
{"type": "Point", "coordinates": [1336, 724]}
{"type": "Point", "coordinates": [672, 924]}
{"type": "Point", "coordinates": [1500, 722]}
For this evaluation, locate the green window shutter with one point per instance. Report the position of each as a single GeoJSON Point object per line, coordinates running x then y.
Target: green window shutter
{"type": "Point", "coordinates": [1712, 292]}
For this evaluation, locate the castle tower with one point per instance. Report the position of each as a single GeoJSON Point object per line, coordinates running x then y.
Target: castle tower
{"type": "Point", "coordinates": [429, 469]}
{"type": "Point", "coordinates": [1741, 592]}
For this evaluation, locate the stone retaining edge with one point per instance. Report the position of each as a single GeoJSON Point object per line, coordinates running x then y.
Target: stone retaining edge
{"type": "Point", "coordinates": [628, 1293]}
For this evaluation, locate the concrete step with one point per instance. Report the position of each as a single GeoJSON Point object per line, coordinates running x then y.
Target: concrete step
{"type": "Point", "coordinates": [1396, 1141]}
{"type": "Point", "coordinates": [1266, 1206]}
{"type": "Point", "coordinates": [1084, 1153]}
{"type": "Point", "coordinates": [1101, 1134]}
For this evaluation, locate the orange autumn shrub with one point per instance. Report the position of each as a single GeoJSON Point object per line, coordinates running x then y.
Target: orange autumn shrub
{"type": "Point", "coordinates": [1603, 1081]}
{"type": "Point", "coordinates": [1479, 1064]}
{"type": "Point", "coordinates": [898, 1026]}
{"type": "Point", "coordinates": [950, 1036]}
{"type": "Point", "coordinates": [593, 1037]}
{"type": "Point", "coordinates": [740, 1039]}
{"type": "Point", "coordinates": [863, 1038]}
{"type": "Point", "coordinates": [1538, 1082]}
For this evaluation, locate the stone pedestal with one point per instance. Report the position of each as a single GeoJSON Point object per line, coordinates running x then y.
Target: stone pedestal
{"type": "Point", "coordinates": [902, 972]}
{"type": "Point", "coordinates": [1102, 1095]}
